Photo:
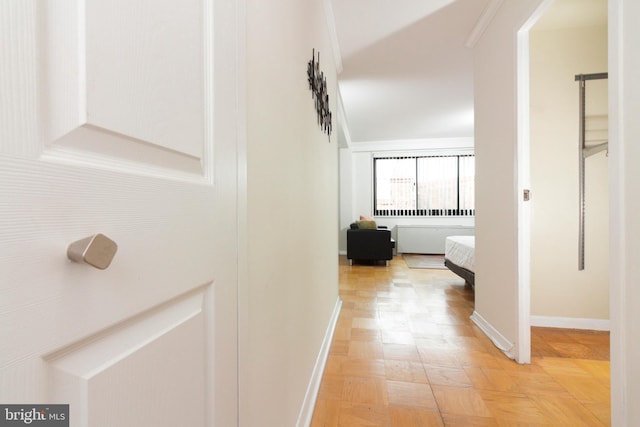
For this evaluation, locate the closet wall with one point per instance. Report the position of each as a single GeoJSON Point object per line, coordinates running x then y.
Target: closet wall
{"type": "Point", "coordinates": [561, 295]}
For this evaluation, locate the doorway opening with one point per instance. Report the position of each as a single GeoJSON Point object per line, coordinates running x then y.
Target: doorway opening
{"type": "Point", "coordinates": [562, 39]}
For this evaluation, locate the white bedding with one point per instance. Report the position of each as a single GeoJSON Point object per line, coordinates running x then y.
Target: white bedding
{"type": "Point", "coordinates": [460, 251]}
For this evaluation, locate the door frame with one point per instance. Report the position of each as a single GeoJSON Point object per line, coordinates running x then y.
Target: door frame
{"type": "Point", "coordinates": [523, 331]}
{"type": "Point", "coordinates": [617, 225]}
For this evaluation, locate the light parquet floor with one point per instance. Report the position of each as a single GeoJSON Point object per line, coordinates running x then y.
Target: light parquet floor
{"type": "Point", "coordinates": [405, 353]}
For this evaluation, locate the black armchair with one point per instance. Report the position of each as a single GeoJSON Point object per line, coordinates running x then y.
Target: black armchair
{"type": "Point", "coordinates": [364, 244]}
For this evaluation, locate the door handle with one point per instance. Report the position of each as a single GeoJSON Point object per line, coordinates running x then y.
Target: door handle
{"type": "Point", "coordinates": [97, 250]}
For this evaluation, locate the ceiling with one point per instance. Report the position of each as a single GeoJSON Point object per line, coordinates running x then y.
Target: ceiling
{"type": "Point", "coordinates": [573, 13]}
{"type": "Point", "coordinates": [407, 65]}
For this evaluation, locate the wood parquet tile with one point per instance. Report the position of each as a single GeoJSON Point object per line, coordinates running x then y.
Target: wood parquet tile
{"type": "Point", "coordinates": [405, 353]}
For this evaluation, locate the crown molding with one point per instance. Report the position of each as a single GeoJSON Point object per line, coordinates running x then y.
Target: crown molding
{"type": "Point", "coordinates": [441, 145]}
{"type": "Point", "coordinates": [333, 34]}
{"type": "Point", "coordinates": [342, 121]}
{"type": "Point", "coordinates": [483, 22]}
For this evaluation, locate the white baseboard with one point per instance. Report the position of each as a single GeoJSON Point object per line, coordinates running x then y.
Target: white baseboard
{"type": "Point", "coordinates": [309, 403]}
{"type": "Point", "coordinates": [570, 323]}
{"type": "Point", "coordinates": [494, 335]}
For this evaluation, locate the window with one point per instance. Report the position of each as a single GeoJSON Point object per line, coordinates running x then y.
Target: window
{"type": "Point", "coordinates": [424, 186]}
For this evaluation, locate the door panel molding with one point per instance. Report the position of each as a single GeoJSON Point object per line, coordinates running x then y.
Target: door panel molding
{"type": "Point", "coordinates": [128, 81]}
{"type": "Point", "coordinates": [159, 353]}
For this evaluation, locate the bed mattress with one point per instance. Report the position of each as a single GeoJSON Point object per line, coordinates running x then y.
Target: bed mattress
{"type": "Point", "coordinates": [460, 251]}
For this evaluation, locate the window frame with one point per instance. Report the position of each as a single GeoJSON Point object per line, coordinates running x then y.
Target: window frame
{"type": "Point", "coordinates": [457, 212]}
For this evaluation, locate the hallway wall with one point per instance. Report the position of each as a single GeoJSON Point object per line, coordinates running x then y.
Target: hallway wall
{"type": "Point", "coordinates": [291, 211]}
{"type": "Point", "coordinates": [497, 192]}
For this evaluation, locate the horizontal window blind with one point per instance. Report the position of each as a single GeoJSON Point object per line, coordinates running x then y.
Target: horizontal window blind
{"type": "Point", "coordinates": [424, 185]}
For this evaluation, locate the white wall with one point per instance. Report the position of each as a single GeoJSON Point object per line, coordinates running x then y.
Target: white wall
{"type": "Point", "coordinates": [624, 157]}
{"type": "Point", "coordinates": [497, 192]}
{"type": "Point", "coordinates": [346, 195]}
{"type": "Point", "coordinates": [558, 288]}
{"type": "Point", "coordinates": [496, 134]}
{"type": "Point", "coordinates": [291, 211]}
{"type": "Point", "coordinates": [357, 188]}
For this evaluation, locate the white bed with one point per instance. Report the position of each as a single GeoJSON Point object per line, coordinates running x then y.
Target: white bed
{"type": "Point", "coordinates": [459, 257]}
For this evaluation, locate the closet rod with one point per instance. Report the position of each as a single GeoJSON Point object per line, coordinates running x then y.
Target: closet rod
{"type": "Point", "coordinates": [593, 76]}
{"type": "Point", "coordinates": [584, 153]}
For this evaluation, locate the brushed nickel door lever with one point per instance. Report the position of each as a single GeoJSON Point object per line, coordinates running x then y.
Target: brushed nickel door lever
{"type": "Point", "coordinates": [97, 250]}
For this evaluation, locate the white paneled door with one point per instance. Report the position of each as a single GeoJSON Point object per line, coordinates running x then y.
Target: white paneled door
{"type": "Point", "coordinates": [107, 126]}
